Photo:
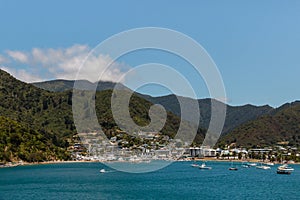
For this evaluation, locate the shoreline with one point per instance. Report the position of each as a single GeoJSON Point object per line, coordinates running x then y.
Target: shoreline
{"type": "Point", "coordinates": [95, 161]}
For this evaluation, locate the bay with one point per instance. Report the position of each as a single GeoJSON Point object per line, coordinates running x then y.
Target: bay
{"type": "Point", "coordinates": [176, 181]}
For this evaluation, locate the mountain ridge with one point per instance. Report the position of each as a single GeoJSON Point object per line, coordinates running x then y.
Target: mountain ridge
{"type": "Point", "coordinates": [235, 116]}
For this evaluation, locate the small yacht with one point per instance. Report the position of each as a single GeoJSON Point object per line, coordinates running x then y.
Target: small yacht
{"type": "Point", "coordinates": [252, 164]}
{"type": "Point", "coordinates": [195, 165]}
{"type": "Point", "coordinates": [203, 166]}
{"type": "Point", "coordinates": [269, 163]}
{"type": "Point", "coordinates": [102, 171]}
{"type": "Point", "coordinates": [284, 169]}
{"type": "Point", "coordinates": [263, 167]}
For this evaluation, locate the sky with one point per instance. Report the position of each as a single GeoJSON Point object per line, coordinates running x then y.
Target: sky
{"type": "Point", "coordinates": [255, 44]}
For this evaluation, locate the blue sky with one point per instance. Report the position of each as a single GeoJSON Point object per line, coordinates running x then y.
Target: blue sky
{"type": "Point", "coordinates": [255, 44]}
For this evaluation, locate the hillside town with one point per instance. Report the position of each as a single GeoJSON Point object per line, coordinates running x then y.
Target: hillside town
{"type": "Point", "coordinates": [154, 146]}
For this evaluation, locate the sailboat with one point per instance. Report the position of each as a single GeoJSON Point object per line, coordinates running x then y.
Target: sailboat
{"type": "Point", "coordinates": [233, 168]}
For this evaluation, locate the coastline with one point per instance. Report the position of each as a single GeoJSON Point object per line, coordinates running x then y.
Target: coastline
{"type": "Point", "coordinates": [207, 159]}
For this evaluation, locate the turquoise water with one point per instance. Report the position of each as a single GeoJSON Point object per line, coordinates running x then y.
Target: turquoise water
{"type": "Point", "coordinates": [177, 181]}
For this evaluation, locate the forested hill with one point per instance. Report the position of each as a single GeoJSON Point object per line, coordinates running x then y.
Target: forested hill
{"type": "Point", "coordinates": [281, 126]}
{"type": "Point", "coordinates": [61, 85]}
{"type": "Point", "coordinates": [18, 141]}
{"type": "Point", "coordinates": [49, 114]}
{"type": "Point", "coordinates": [35, 112]}
{"type": "Point", "coordinates": [235, 116]}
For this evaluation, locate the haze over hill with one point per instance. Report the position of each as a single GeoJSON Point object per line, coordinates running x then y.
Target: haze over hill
{"type": "Point", "coordinates": [235, 116]}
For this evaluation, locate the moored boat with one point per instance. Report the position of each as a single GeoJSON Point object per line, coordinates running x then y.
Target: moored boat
{"type": "Point", "coordinates": [251, 164]}
{"type": "Point", "coordinates": [263, 167]}
{"type": "Point", "coordinates": [245, 165]}
{"type": "Point", "coordinates": [203, 166]}
{"type": "Point", "coordinates": [233, 168]}
{"type": "Point", "coordinates": [284, 169]}
{"type": "Point", "coordinates": [269, 163]}
{"type": "Point", "coordinates": [195, 165]}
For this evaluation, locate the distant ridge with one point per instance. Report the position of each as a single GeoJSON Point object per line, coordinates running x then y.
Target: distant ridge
{"type": "Point", "coordinates": [236, 115]}
{"type": "Point", "coordinates": [61, 85]}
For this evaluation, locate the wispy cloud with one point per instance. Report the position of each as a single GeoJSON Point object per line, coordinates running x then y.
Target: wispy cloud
{"type": "Point", "coordinates": [62, 63]}
{"type": "Point", "coordinates": [18, 56]}
{"type": "Point", "coordinates": [2, 59]}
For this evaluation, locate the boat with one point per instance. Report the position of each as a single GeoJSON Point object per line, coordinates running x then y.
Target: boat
{"type": "Point", "coordinates": [233, 168]}
{"type": "Point", "coordinates": [269, 164]}
{"type": "Point", "coordinates": [245, 165]}
{"type": "Point", "coordinates": [263, 167]}
{"type": "Point", "coordinates": [284, 169]}
{"type": "Point", "coordinates": [251, 164]}
{"type": "Point", "coordinates": [195, 165]}
{"type": "Point", "coordinates": [102, 171]}
{"type": "Point", "coordinates": [203, 166]}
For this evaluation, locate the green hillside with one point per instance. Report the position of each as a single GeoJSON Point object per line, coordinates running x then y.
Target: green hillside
{"type": "Point", "coordinates": [20, 142]}
{"type": "Point", "coordinates": [39, 109]}
{"type": "Point", "coordinates": [235, 115]}
{"type": "Point", "coordinates": [65, 85]}
{"type": "Point", "coordinates": [283, 125]}
{"type": "Point", "coordinates": [49, 115]}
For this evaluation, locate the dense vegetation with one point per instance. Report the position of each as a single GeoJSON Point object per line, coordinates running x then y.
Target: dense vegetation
{"type": "Point", "coordinates": [235, 115]}
{"type": "Point", "coordinates": [48, 118]}
{"type": "Point", "coordinates": [37, 125]}
{"type": "Point", "coordinates": [44, 114]}
{"type": "Point", "coordinates": [20, 142]}
{"type": "Point", "coordinates": [139, 109]}
{"type": "Point", "coordinates": [282, 125]}
{"type": "Point", "coordinates": [65, 85]}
